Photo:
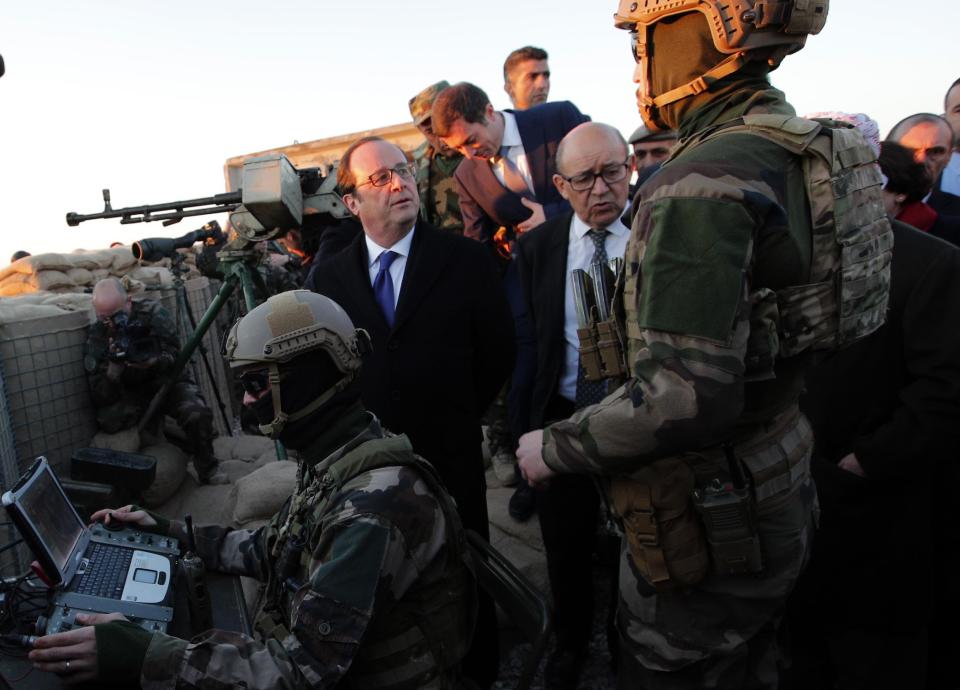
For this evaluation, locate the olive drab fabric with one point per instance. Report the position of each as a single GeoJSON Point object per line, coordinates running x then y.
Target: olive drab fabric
{"type": "Point", "coordinates": [721, 236]}
{"type": "Point", "coordinates": [121, 401]}
{"type": "Point", "coordinates": [364, 582]}
{"type": "Point", "coordinates": [846, 298]}
{"type": "Point", "coordinates": [439, 201]}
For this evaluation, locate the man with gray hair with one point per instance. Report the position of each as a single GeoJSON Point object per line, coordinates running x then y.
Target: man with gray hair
{"type": "Point", "coordinates": [129, 351]}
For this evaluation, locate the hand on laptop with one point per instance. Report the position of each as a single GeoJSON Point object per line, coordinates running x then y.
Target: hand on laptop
{"type": "Point", "coordinates": [72, 654]}
{"type": "Point", "coordinates": [127, 514]}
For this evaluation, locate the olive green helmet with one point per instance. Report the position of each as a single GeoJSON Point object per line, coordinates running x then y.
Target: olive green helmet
{"type": "Point", "coordinates": [287, 325]}
{"type": "Point", "coordinates": [737, 28]}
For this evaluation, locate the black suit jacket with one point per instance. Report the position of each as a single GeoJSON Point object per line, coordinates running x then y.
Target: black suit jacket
{"type": "Point", "coordinates": [486, 204]}
{"type": "Point", "coordinates": [944, 203]}
{"type": "Point", "coordinates": [451, 348]}
{"type": "Point", "coordinates": [541, 263]}
{"type": "Point", "coordinates": [893, 399]}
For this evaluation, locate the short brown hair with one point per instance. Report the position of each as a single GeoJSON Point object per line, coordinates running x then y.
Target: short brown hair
{"type": "Point", "coordinates": [522, 55]}
{"type": "Point", "coordinates": [346, 180]}
{"type": "Point", "coordinates": [462, 100]}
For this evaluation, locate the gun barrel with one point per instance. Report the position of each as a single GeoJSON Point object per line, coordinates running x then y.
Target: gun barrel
{"type": "Point", "coordinates": [173, 210]}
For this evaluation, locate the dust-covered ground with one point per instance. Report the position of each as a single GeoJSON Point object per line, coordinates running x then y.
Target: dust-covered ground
{"type": "Point", "coordinates": [597, 672]}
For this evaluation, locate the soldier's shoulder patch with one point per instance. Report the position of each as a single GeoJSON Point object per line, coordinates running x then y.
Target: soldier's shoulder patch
{"type": "Point", "coordinates": [692, 272]}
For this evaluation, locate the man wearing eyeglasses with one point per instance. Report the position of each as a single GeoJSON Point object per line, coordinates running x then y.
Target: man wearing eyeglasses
{"type": "Point", "coordinates": [441, 332]}
{"type": "Point", "coordinates": [593, 174]}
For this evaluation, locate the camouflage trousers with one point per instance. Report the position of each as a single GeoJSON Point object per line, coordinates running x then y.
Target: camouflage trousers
{"type": "Point", "coordinates": [185, 404]}
{"type": "Point", "coordinates": [722, 632]}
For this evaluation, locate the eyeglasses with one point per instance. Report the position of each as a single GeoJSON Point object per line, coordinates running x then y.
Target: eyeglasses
{"type": "Point", "coordinates": [255, 382]}
{"type": "Point", "coordinates": [584, 181]}
{"type": "Point", "coordinates": [382, 178]}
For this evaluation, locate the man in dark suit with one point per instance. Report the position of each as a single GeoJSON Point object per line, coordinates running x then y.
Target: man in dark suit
{"type": "Point", "coordinates": [886, 416]}
{"type": "Point", "coordinates": [441, 332]}
{"type": "Point", "coordinates": [593, 174]}
{"type": "Point", "coordinates": [505, 180]}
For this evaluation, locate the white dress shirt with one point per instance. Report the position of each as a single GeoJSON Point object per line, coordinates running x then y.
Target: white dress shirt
{"type": "Point", "coordinates": [580, 250]}
{"type": "Point", "coordinates": [515, 151]}
{"type": "Point", "coordinates": [399, 265]}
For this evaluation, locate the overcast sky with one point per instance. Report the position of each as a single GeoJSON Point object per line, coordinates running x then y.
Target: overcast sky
{"type": "Point", "coordinates": [149, 99]}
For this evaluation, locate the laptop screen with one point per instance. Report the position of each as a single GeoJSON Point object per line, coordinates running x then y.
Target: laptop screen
{"type": "Point", "coordinates": [51, 515]}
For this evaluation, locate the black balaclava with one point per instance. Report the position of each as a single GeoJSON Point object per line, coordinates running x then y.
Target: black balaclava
{"type": "Point", "coordinates": [302, 381]}
{"type": "Point", "coordinates": [683, 50]}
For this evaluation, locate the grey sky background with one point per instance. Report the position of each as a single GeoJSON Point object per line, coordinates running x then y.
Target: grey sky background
{"type": "Point", "coordinates": [150, 99]}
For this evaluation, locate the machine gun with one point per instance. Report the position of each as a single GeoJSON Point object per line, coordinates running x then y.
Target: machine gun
{"type": "Point", "coordinates": [274, 197]}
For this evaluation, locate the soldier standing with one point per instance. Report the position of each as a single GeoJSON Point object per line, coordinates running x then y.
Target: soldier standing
{"type": "Point", "coordinates": [734, 278]}
{"type": "Point", "coordinates": [128, 351]}
{"type": "Point", "coordinates": [364, 579]}
{"type": "Point", "coordinates": [436, 163]}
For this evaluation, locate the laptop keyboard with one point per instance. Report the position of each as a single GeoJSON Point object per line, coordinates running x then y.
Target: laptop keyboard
{"type": "Point", "coordinates": [106, 573]}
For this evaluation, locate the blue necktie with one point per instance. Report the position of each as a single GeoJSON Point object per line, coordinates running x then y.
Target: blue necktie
{"type": "Point", "coordinates": [383, 286]}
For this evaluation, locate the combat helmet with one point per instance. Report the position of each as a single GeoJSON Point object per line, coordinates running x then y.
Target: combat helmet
{"type": "Point", "coordinates": [737, 28]}
{"type": "Point", "coordinates": [286, 326]}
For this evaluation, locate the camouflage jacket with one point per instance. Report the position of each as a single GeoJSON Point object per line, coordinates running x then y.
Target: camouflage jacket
{"type": "Point", "coordinates": [717, 224]}
{"type": "Point", "coordinates": [148, 321]}
{"type": "Point", "coordinates": [382, 540]}
{"type": "Point", "coordinates": [439, 203]}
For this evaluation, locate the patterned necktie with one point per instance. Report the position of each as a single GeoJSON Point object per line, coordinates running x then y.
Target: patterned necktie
{"type": "Point", "coordinates": [383, 287]}
{"type": "Point", "coordinates": [512, 178]}
{"type": "Point", "coordinates": [592, 392]}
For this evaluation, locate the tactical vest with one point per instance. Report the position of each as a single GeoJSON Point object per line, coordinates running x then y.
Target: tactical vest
{"type": "Point", "coordinates": [845, 300]}
{"type": "Point", "coordinates": [852, 241]}
{"type": "Point", "coordinates": [420, 637]}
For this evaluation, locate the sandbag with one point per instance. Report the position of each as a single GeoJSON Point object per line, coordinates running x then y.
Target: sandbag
{"type": "Point", "coordinates": [171, 470]}
{"type": "Point", "coordinates": [80, 276]}
{"type": "Point", "coordinates": [262, 492]}
{"type": "Point", "coordinates": [126, 441]}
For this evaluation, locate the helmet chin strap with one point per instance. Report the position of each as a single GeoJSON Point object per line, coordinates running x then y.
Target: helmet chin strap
{"type": "Point", "coordinates": [275, 428]}
{"type": "Point", "coordinates": [650, 106]}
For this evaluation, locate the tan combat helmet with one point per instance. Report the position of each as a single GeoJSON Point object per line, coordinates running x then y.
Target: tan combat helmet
{"type": "Point", "coordinates": [737, 27]}
{"type": "Point", "coordinates": [283, 328]}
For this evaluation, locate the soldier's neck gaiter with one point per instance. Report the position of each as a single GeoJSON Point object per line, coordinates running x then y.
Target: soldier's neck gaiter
{"type": "Point", "coordinates": [684, 51]}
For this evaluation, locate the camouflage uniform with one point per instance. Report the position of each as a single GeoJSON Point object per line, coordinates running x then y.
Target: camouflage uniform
{"type": "Point", "coordinates": [376, 595]}
{"type": "Point", "coordinates": [121, 402]}
{"type": "Point", "coordinates": [439, 203]}
{"type": "Point", "coordinates": [719, 226]}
